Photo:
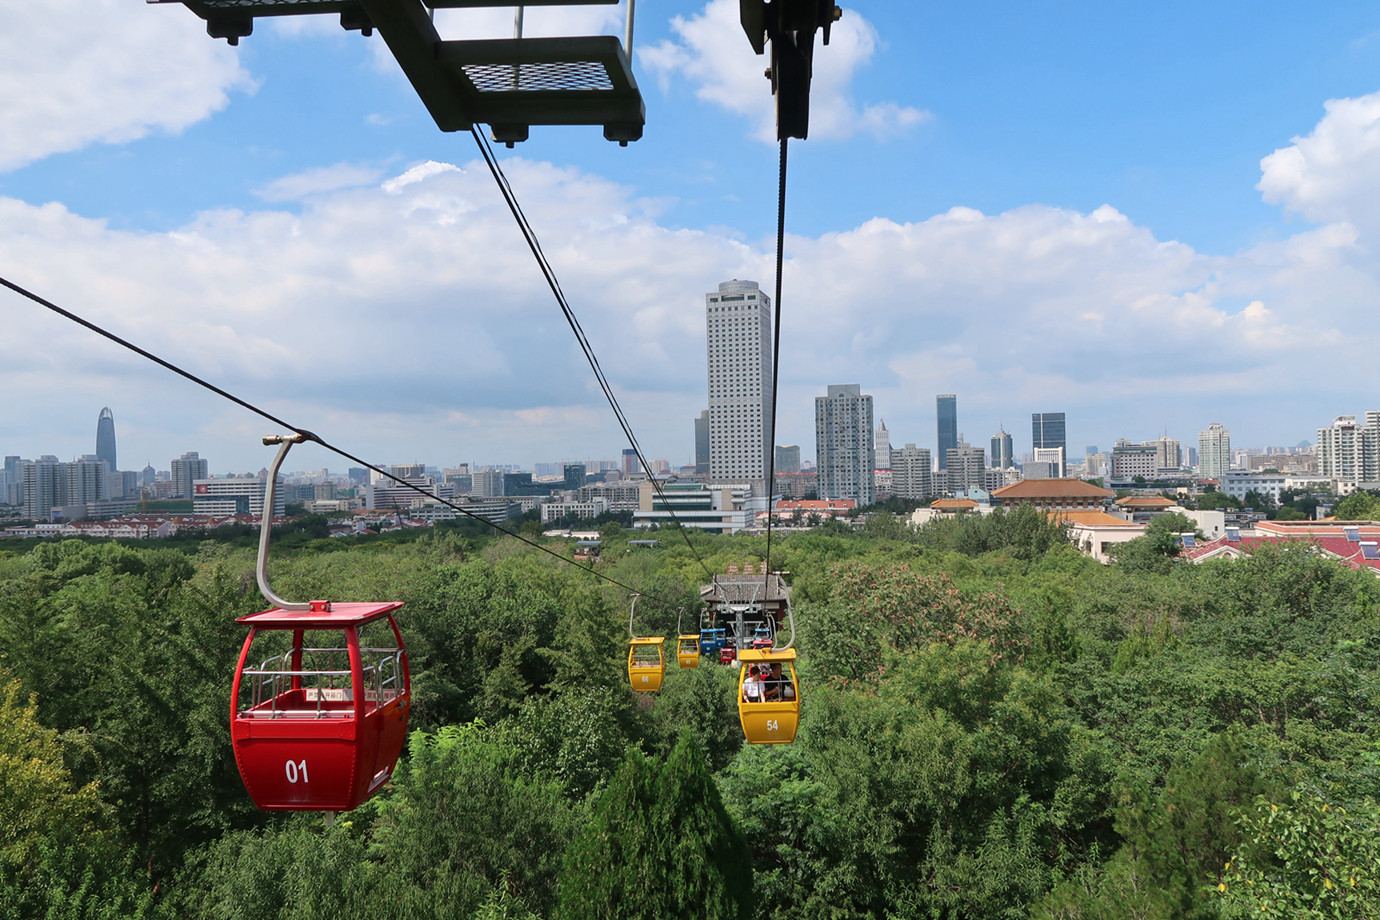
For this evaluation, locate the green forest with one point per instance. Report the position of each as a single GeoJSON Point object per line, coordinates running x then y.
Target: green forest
{"type": "Point", "coordinates": [993, 726]}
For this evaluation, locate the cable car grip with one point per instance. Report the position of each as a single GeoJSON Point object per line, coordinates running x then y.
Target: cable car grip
{"type": "Point", "coordinates": [266, 522]}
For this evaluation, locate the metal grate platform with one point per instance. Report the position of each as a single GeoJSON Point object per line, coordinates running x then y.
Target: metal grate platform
{"type": "Point", "coordinates": [509, 84]}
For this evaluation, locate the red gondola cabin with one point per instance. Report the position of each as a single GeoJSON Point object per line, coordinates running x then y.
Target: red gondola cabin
{"type": "Point", "coordinates": [319, 720]}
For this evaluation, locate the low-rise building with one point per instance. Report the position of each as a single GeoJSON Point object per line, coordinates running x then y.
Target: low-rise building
{"type": "Point", "coordinates": [717, 508]}
{"type": "Point", "coordinates": [1094, 531]}
{"type": "Point", "coordinates": [1054, 495]}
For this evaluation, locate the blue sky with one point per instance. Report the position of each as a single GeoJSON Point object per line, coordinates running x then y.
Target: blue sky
{"type": "Point", "coordinates": [1150, 218]}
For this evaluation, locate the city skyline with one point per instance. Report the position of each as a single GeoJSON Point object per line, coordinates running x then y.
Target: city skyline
{"type": "Point", "coordinates": [980, 224]}
{"type": "Point", "coordinates": [617, 458]}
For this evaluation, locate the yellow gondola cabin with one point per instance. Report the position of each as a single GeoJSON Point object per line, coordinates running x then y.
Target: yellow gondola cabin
{"type": "Point", "coordinates": [646, 665]}
{"type": "Point", "coordinates": [769, 712]}
{"type": "Point", "coordinates": [688, 650]}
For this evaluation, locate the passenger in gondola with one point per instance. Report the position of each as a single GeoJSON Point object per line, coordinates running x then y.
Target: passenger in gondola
{"type": "Point", "coordinates": [752, 686]}
{"type": "Point", "coordinates": [778, 686]}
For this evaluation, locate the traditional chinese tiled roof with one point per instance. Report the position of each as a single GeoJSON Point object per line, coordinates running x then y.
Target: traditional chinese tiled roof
{"type": "Point", "coordinates": [1051, 488]}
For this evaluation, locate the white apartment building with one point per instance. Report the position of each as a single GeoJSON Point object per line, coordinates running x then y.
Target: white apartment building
{"type": "Point", "coordinates": [967, 467]}
{"type": "Point", "coordinates": [910, 473]}
{"type": "Point", "coordinates": [845, 457]}
{"type": "Point", "coordinates": [738, 330]}
{"type": "Point", "coordinates": [1237, 483]}
{"type": "Point", "coordinates": [1214, 451]}
{"type": "Point", "coordinates": [1349, 452]}
{"type": "Point", "coordinates": [554, 511]}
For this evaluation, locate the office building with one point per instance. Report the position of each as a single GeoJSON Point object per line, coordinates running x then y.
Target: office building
{"type": "Point", "coordinates": [1214, 451]}
{"type": "Point", "coordinates": [573, 476]}
{"type": "Point", "coordinates": [910, 473]}
{"type": "Point", "coordinates": [630, 465]}
{"type": "Point", "coordinates": [487, 483]}
{"type": "Point", "coordinates": [946, 408]}
{"type": "Point", "coordinates": [236, 495]}
{"type": "Point", "coordinates": [702, 443]}
{"type": "Point", "coordinates": [1047, 430]}
{"type": "Point", "coordinates": [13, 493]}
{"type": "Point", "coordinates": [1054, 456]}
{"type": "Point", "coordinates": [738, 332]}
{"type": "Point", "coordinates": [105, 438]}
{"type": "Point", "coordinates": [844, 454]}
{"type": "Point", "coordinates": [787, 458]}
{"type": "Point", "coordinates": [881, 446]}
{"type": "Point", "coordinates": [1002, 450]}
{"type": "Point", "coordinates": [1131, 460]}
{"type": "Point", "coordinates": [186, 470]}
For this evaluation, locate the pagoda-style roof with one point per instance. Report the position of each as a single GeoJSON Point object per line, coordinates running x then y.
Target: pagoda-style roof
{"type": "Point", "coordinates": [1145, 501]}
{"type": "Point", "coordinates": [1031, 489]}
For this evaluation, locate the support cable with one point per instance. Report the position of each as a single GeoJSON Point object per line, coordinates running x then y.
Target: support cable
{"type": "Point", "coordinates": [530, 237]}
{"type": "Point", "coordinates": [776, 339]}
{"type": "Point", "coordinates": [341, 452]}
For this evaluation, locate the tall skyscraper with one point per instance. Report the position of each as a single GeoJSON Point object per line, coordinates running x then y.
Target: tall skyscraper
{"type": "Point", "coordinates": [630, 463]}
{"type": "Point", "coordinates": [1002, 450]}
{"type": "Point", "coordinates": [910, 472]}
{"type": "Point", "coordinates": [1214, 451]}
{"type": "Point", "coordinates": [881, 445]}
{"type": "Point", "coordinates": [1047, 430]}
{"type": "Point", "coordinates": [573, 476]}
{"type": "Point", "coordinates": [738, 328]}
{"type": "Point", "coordinates": [186, 470]}
{"type": "Point", "coordinates": [105, 438]}
{"type": "Point", "coordinates": [702, 442]}
{"type": "Point", "coordinates": [946, 405]}
{"type": "Point", "coordinates": [844, 455]}
{"type": "Point", "coordinates": [14, 481]}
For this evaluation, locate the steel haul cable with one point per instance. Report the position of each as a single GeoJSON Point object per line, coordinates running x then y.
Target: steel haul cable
{"type": "Point", "coordinates": [776, 338]}
{"type": "Point", "coordinates": [530, 237]}
{"type": "Point", "coordinates": [124, 343]}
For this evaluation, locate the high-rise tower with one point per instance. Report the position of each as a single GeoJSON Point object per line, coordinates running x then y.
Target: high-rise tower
{"type": "Point", "coordinates": [105, 438]}
{"type": "Point", "coordinates": [1047, 430]}
{"type": "Point", "coordinates": [947, 406]}
{"type": "Point", "coordinates": [1214, 451]}
{"type": "Point", "coordinates": [1002, 450]}
{"type": "Point", "coordinates": [738, 327]}
{"type": "Point", "coordinates": [881, 444]}
{"type": "Point", "coordinates": [845, 458]}
{"type": "Point", "coordinates": [186, 470]}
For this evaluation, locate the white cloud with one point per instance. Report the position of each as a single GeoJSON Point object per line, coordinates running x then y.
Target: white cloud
{"type": "Point", "coordinates": [713, 54]}
{"type": "Point", "coordinates": [1333, 174]}
{"type": "Point", "coordinates": [318, 180]}
{"type": "Point", "coordinates": [76, 72]}
{"type": "Point", "coordinates": [380, 311]}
